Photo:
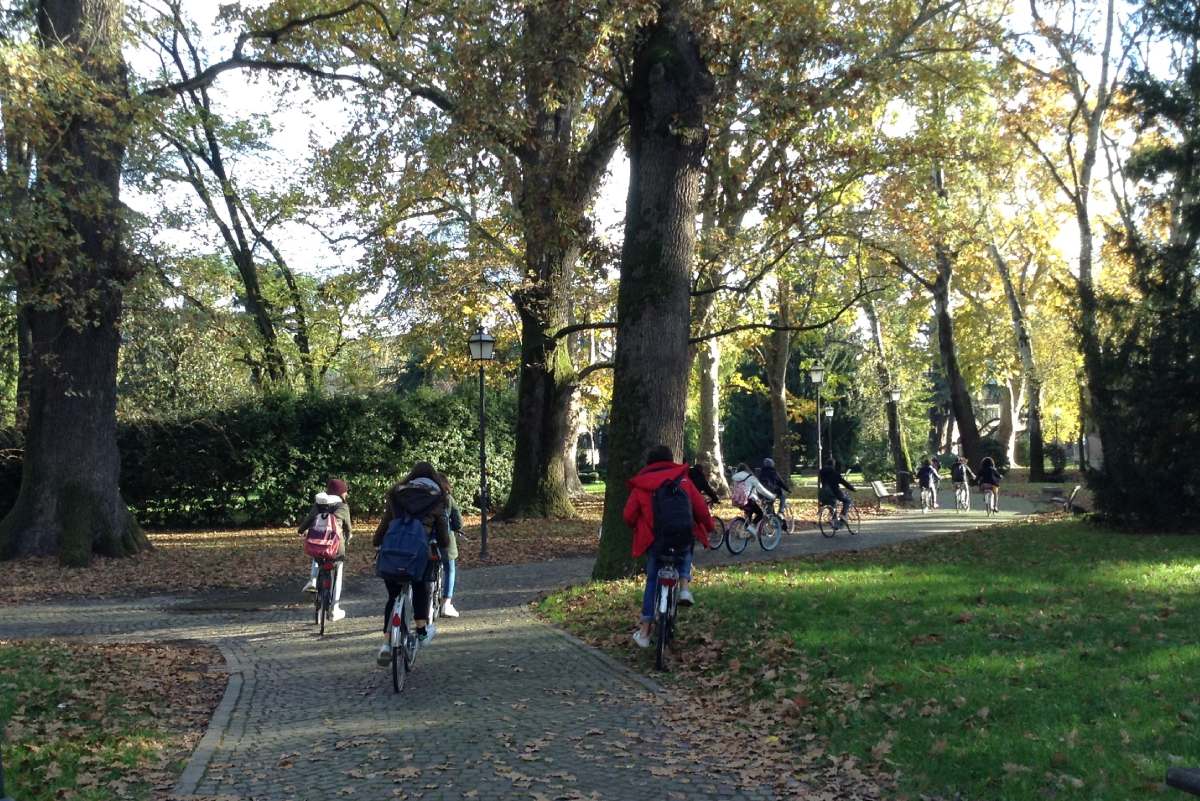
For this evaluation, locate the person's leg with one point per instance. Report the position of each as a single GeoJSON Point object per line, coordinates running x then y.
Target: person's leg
{"type": "Point", "coordinates": [385, 650]}
{"type": "Point", "coordinates": [648, 594]}
{"type": "Point", "coordinates": [338, 612]}
{"type": "Point", "coordinates": [845, 499]}
{"type": "Point", "coordinates": [420, 591]}
{"type": "Point", "coordinates": [685, 578]}
{"type": "Point", "coordinates": [311, 584]}
{"type": "Point", "coordinates": [448, 602]}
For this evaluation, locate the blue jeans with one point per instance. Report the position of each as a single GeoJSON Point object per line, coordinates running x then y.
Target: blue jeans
{"type": "Point", "coordinates": [652, 566]}
{"type": "Point", "coordinates": [451, 574]}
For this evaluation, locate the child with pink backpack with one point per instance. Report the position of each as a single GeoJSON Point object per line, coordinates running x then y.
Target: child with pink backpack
{"type": "Point", "coordinates": [327, 528]}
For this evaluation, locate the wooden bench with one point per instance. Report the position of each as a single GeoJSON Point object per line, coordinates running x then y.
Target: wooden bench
{"type": "Point", "coordinates": [882, 494]}
{"type": "Point", "coordinates": [1067, 504]}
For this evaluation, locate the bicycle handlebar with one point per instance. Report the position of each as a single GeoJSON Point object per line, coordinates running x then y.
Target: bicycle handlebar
{"type": "Point", "coordinates": [1186, 779]}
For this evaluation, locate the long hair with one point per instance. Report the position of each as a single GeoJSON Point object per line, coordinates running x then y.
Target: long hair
{"type": "Point", "coordinates": [442, 482]}
{"type": "Point", "coordinates": [421, 470]}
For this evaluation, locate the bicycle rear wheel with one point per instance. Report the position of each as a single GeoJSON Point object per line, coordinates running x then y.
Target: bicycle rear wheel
{"type": "Point", "coordinates": [411, 644]}
{"type": "Point", "coordinates": [717, 538]}
{"type": "Point", "coordinates": [770, 532]}
{"type": "Point", "coordinates": [398, 636]}
{"type": "Point", "coordinates": [825, 521]}
{"type": "Point", "coordinates": [435, 593]}
{"type": "Point", "coordinates": [322, 609]}
{"type": "Point", "coordinates": [736, 536]}
{"type": "Point", "coordinates": [663, 626]}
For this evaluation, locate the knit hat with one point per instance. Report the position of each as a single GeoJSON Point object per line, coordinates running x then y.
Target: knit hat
{"type": "Point", "coordinates": [337, 487]}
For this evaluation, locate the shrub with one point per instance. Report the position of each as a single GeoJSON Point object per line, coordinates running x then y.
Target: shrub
{"type": "Point", "coordinates": [876, 460]}
{"type": "Point", "coordinates": [1057, 455]}
{"type": "Point", "coordinates": [261, 462]}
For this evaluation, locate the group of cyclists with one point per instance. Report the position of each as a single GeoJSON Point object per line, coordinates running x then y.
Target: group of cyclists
{"type": "Point", "coordinates": [424, 494]}
{"type": "Point", "coordinates": [929, 477]}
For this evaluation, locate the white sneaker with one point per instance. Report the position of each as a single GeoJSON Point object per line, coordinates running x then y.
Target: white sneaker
{"type": "Point", "coordinates": [338, 612]}
{"type": "Point", "coordinates": [448, 609]}
{"type": "Point", "coordinates": [430, 633]}
{"type": "Point", "coordinates": [311, 586]}
{"type": "Point", "coordinates": [641, 640]}
{"type": "Point", "coordinates": [686, 598]}
{"type": "Point", "coordinates": [385, 655]}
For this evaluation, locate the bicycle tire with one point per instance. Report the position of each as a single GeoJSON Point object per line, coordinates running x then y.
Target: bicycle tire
{"type": "Point", "coordinates": [770, 539]}
{"type": "Point", "coordinates": [735, 532]}
{"type": "Point", "coordinates": [989, 503]}
{"type": "Point", "coordinates": [853, 520]}
{"type": "Point", "coordinates": [322, 611]}
{"type": "Point", "coordinates": [399, 662]}
{"type": "Point", "coordinates": [662, 636]}
{"type": "Point", "coordinates": [717, 538]}
{"type": "Point", "coordinates": [435, 596]}
{"type": "Point", "coordinates": [825, 521]}
{"type": "Point", "coordinates": [412, 645]}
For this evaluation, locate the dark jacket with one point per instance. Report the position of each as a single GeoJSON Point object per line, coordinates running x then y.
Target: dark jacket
{"type": "Point", "coordinates": [454, 521]}
{"type": "Point", "coordinates": [830, 478]}
{"type": "Point", "coordinates": [423, 499]}
{"type": "Point", "coordinates": [769, 477]}
{"type": "Point", "coordinates": [989, 475]}
{"type": "Point", "coordinates": [697, 477]}
{"type": "Point", "coordinates": [639, 509]}
{"type": "Point", "coordinates": [927, 476]}
{"type": "Point", "coordinates": [342, 512]}
{"type": "Point", "coordinates": [960, 473]}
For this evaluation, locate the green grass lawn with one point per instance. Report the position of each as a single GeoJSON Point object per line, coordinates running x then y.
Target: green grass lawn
{"type": "Point", "coordinates": [1032, 661]}
{"type": "Point", "coordinates": [97, 723]}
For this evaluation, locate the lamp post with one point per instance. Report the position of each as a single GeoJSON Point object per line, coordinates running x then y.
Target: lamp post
{"type": "Point", "coordinates": [829, 414]}
{"type": "Point", "coordinates": [483, 350]}
{"type": "Point", "coordinates": [817, 374]}
{"type": "Point", "coordinates": [1055, 415]}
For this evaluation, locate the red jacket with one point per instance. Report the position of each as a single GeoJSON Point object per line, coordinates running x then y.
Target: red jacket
{"type": "Point", "coordinates": [639, 509]}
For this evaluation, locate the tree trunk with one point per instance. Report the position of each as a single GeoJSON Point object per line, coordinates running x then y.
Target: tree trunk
{"type": "Point", "coordinates": [710, 454]}
{"type": "Point", "coordinates": [778, 351]}
{"type": "Point", "coordinates": [1029, 370]}
{"type": "Point", "coordinates": [1006, 428]}
{"type": "Point", "coordinates": [70, 503]}
{"type": "Point", "coordinates": [668, 94]}
{"type": "Point", "coordinates": [960, 399]}
{"type": "Point", "coordinates": [24, 365]}
{"type": "Point", "coordinates": [571, 445]}
{"type": "Point", "coordinates": [900, 458]}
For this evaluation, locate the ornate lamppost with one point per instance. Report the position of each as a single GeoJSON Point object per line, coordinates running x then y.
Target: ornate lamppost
{"type": "Point", "coordinates": [483, 350]}
{"type": "Point", "coordinates": [817, 374]}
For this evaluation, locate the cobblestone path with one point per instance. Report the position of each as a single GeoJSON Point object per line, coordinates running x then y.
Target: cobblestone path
{"type": "Point", "coordinates": [500, 705]}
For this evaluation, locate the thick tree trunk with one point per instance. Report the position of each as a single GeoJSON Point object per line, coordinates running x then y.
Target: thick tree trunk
{"type": "Point", "coordinates": [1029, 370]}
{"type": "Point", "coordinates": [960, 398]}
{"type": "Point", "coordinates": [668, 94]}
{"type": "Point", "coordinates": [900, 458]}
{"type": "Point", "coordinates": [778, 351]}
{"type": "Point", "coordinates": [571, 445]}
{"type": "Point", "coordinates": [24, 365]}
{"type": "Point", "coordinates": [70, 503]}
{"type": "Point", "coordinates": [1006, 428]}
{"type": "Point", "coordinates": [710, 454]}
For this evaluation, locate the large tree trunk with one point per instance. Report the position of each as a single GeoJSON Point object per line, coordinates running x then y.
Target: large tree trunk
{"type": "Point", "coordinates": [1006, 428]}
{"type": "Point", "coordinates": [710, 454]}
{"type": "Point", "coordinates": [900, 458]}
{"type": "Point", "coordinates": [960, 399]}
{"type": "Point", "coordinates": [571, 445]}
{"type": "Point", "coordinates": [778, 351]}
{"type": "Point", "coordinates": [1029, 370]}
{"type": "Point", "coordinates": [668, 94]}
{"type": "Point", "coordinates": [69, 502]}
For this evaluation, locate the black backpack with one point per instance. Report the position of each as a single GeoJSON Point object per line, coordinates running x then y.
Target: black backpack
{"type": "Point", "coordinates": [672, 517]}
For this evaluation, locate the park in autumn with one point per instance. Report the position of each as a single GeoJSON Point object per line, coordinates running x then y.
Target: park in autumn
{"type": "Point", "coordinates": [572, 399]}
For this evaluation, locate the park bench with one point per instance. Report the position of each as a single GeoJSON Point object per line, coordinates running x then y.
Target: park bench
{"type": "Point", "coordinates": [883, 493]}
{"type": "Point", "coordinates": [1066, 504]}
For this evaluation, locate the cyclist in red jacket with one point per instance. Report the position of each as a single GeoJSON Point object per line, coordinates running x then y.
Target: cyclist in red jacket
{"type": "Point", "coordinates": [639, 516]}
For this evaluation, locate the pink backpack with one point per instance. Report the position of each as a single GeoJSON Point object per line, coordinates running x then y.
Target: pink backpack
{"type": "Point", "coordinates": [323, 540]}
{"type": "Point", "coordinates": [741, 494]}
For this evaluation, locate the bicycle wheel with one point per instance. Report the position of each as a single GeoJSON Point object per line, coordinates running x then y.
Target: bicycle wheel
{"type": "Point", "coordinates": [435, 594]}
{"type": "Point", "coordinates": [825, 521]}
{"type": "Point", "coordinates": [399, 661]}
{"type": "Point", "coordinates": [717, 538]}
{"type": "Point", "coordinates": [989, 502]}
{"type": "Point", "coordinates": [770, 532]}
{"type": "Point", "coordinates": [411, 644]}
{"type": "Point", "coordinates": [853, 520]}
{"type": "Point", "coordinates": [736, 536]}
{"type": "Point", "coordinates": [323, 610]}
{"type": "Point", "coordinates": [663, 631]}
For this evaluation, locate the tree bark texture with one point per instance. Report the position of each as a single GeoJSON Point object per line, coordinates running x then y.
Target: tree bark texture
{"type": "Point", "coordinates": [710, 454]}
{"type": "Point", "coordinates": [1029, 370]}
{"type": "Point", "coordinates": [960, 398]}
{"type": "Point", "coordinates": [669, 91]}
{"type": "Point", "coordinates": [778, 353]}
{"type": "Point", "coordinates": [70, 503]}
{"type": "Point", "coordinates": [901, 461]}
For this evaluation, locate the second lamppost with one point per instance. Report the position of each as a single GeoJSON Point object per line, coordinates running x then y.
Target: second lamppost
{"type": "Point", "coordinates": [483, 350]}
{"type": "Point", "coordinates": [817, 374]}
{"type": "Point", "coordinates": [829, 414]}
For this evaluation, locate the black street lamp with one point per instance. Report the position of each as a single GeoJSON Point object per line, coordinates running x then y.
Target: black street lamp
{"type": "Point", "coordinates": [817, 374]}
{"type": "Point", "coordinates": [483, 350]}
{"type": "Point", "coordinates": [829, 414]}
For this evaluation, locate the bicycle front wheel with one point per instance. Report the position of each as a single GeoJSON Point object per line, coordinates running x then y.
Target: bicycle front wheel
{"type": "Point", "coordinates": [736, 536]}
{"type": "Point", "coordinates": [770, 532]}
{"type": "Point", "coordinates": [825, 521]}
{"type": "Point", "coordinates": [853, 520]}
{"type": "Point", "coordinates": [717, 538]}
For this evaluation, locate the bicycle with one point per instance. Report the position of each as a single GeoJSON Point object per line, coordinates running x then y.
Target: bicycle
{"type": "Point", "coordinates": [402, 637]}
{"type": "Point", "coordinates": [437, 589]}
{"type": "Point", "coordinates": [666, 605]}
{"type": "Point", "coordinates": [717, 537]}
{"type": "Point", "coordinates": [785, 514]}
{"type": "Point", "coordinates": [962, 496]}
{"type": "Point", "coordinates": [323, 600]}
{"type": "Point", "coordinates": [828, 519]}
{"type": "Point", "coordinates": [989, 501]}
{"type": "Point", "coordinates": [768, 532]}
{"type": "Point", "coordinates": [927, 498]}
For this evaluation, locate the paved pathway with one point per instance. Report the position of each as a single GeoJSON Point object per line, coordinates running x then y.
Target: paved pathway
{"type": "Point", "coordinates": [500, 706]}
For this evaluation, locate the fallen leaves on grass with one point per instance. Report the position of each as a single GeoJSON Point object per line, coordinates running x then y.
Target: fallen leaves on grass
{"type": "Point", "coordinates": [188, 562]}
{"type": "Point", "coordinates": [86, 722]}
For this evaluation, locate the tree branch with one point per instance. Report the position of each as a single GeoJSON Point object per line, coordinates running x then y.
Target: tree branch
{"type": "Point", "coordinates": [774, 327]}
{"type": "Point", "coordinates": [577, 327]}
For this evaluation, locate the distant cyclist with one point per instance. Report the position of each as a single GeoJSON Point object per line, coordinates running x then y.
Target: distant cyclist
{"type": "Point", "coordinates": [989, 479]}
{"type": "Point", "coordinates": [747, 489]}
{"type": "Point", "coordinates": [698, 475]}
{"type": "Point", "coordinates": [770, 478]}
{"type": "Point", "coordinates": [961, 475]}
{"type": "Point", "coordinates": [830, 480]}
{"type": "Point", "coordinates": [928, 478]}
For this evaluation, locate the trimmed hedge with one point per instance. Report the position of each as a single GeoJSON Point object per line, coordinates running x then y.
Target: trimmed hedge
{"type": "Point", "coordinates": [261, 462]}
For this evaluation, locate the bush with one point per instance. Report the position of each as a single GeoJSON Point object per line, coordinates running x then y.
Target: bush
{"type": "Point", "coordinates": [1057, 455]}
{"type": "Point", "coordinates": [261, 462]}
{"type": "Point", "coordinates": [989, 446]}
{"type": "Point", "coordinates": [876, 460]}
{"type": "Point", "coordinates": [589, 478]}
